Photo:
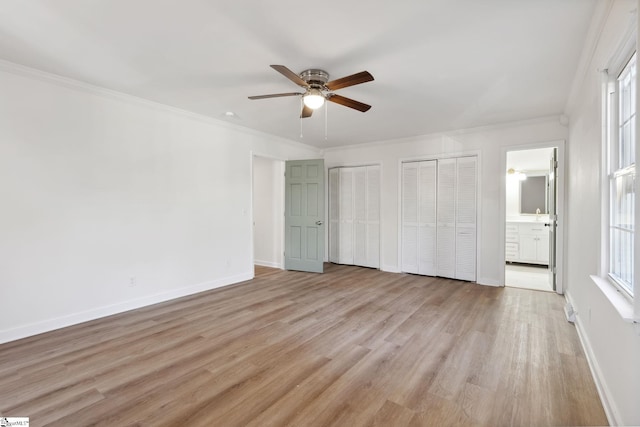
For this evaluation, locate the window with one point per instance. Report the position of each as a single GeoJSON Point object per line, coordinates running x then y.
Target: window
{"type": "Point", "coordinates": [622, 172]}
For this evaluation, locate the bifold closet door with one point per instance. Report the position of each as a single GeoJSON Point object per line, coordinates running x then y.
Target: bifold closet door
{"type": "Point", "coordinates": [438, 203]}
{"type": "Point", "coordinates": [409, 209]}
{"type": "Point", "coordinates": [446, 211]}
{"type": "Point", "coordinates": [334, 215]}
{"type": "Point", "coordinates": [419, 217]}
{"type": "Point", "coordinates": [372, 221]}
{"type": "Point", "coordinates": [354, 215]}
{"type": "Point", "coordinates": [345, 235]}
{"type": "Point", "coordinates": [466, 213]}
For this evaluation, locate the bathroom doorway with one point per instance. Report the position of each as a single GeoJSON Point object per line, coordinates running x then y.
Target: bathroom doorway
{"type": "Point", "coordinates": [531, 197]}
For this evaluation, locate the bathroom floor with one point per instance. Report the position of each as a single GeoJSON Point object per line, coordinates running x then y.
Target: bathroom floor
{"type": "Point", "coordinates": [527, 277]}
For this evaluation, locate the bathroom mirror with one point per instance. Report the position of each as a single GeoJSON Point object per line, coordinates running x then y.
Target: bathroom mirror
{"type": "Point", "coordinates": [533, 194]}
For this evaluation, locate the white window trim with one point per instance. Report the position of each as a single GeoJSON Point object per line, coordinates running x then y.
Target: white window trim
{"type": "Point", "coordinates": [627, 307]}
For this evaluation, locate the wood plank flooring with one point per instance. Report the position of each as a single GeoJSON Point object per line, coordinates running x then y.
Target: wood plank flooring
{"type": "Point", "coordinates": [351, 347]}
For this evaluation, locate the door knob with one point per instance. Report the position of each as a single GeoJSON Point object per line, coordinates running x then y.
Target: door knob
{"type": "Point", "coordinates": [319, 222]}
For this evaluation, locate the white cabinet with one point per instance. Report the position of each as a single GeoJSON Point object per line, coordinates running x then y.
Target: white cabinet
{"type": "Point", "coordinates": [527, 243]}
{"type": "Point", "coordinates": [354, 215]}
{"type": "Point", "coordinates": [439, 217]}
{"type": "Point", "coordinates": [512, 243]}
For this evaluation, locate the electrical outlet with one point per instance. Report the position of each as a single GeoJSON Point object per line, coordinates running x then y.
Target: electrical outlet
{"type": "Point", "coordinates": [132, 281]}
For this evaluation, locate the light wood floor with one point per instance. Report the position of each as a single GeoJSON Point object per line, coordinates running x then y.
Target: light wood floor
{"type": "Point", "coordinates": [350, 347]}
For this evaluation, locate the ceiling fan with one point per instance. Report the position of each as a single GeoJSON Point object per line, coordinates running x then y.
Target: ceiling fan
{"type": "Point", "coordinates": [318, 88]}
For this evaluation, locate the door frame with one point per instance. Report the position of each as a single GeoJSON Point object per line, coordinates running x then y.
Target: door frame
{"type": "Point", "coordinates": [278, 225]}
{"type": "Point", "coordinates": [560, 230]}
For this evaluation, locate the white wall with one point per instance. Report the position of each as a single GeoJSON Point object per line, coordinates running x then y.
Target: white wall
{"type": "Point", "coordinates": [488, 143]}
{"type": "Point", "coordinates": [268, 211]}
{"type": "Point", "coordinates": [612, 345]}
{"type": "Point", "coordinates": [99, 190]}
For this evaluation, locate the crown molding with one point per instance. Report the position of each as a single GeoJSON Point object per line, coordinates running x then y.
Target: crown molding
{"type": "Point", "coordinates": [69, 83]}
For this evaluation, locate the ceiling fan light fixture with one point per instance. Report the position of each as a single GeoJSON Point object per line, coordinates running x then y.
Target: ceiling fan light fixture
{"type": "Point", "coordinates": [313, 99]}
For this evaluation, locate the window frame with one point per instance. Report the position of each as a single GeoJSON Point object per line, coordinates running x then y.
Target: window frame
{"type": "Point", "coordinates": [616, 168]}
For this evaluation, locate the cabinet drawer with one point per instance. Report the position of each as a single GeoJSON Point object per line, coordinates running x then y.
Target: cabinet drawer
{"type": "Point", "coordinates": [511, 238]}
{"type": "Point", "coordinates": [512, 228]}
{"type": "Point", "coordinates": [511, 251]}
{"type": "Point", "coordinates": [535, 229]}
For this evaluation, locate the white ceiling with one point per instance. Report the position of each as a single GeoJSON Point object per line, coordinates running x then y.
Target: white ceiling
{"type": "Point", "coordinates": [438, 64]}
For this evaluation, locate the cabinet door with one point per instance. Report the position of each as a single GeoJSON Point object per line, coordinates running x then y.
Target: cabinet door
{"type": "Point", "coordinates": [446, 210]}
{"type": "Point", "coordinates": [528, 248]}
{"type": "Point", "coordinates": [542, 249]}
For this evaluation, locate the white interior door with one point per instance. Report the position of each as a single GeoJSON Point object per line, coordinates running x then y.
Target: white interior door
{"type": "Point", "coordinates": [304, 215]}
{"type": "Point", "coordinates": [553, 215]}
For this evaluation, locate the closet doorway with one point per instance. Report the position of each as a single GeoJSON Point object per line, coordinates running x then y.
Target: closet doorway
{"type": "Point", "coordinates": [268, 211]}
{"type": "Point", "coordinates": [531, 219]}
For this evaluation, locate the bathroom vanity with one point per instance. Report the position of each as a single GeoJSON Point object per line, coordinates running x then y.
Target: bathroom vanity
{"type": "Point", "coordinates": [527, 242]}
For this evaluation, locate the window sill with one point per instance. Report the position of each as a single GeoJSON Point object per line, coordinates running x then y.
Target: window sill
{"type": "Point", "coordinates": [619, 301]}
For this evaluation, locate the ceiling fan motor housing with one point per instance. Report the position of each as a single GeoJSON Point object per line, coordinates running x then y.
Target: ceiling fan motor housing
{"type": "Point", "coordinates": [315, 77]}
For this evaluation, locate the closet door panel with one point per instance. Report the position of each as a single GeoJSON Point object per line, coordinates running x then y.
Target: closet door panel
{"type": "Point", "coordinates": [334, 214]}
{"type": "Point", "coordinates": [427, 258]}
{"type": "Point", "coordinates": [466, 212]}
{"type": "Point", "coordinates": [360, 215]}
{"type": "Point", "coordinates": [345, 240]}
{"type": "Point", "coordinates": [373, 217]}
{"type": "Point", "coordinates": [446, 211]}
{"type": "Point", "coordinates": [466, 253]}
{"type": "Point", "coordinates": [466, 192]}
{"type": "Point", "coordinates": [427, 235]}
{"type": "Point", "coordinates": [409, 208]}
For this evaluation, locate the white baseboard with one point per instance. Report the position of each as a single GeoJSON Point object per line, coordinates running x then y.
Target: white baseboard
{"type": "Point", "coordinates": [268, 264]}
{"type": "Point", "coordinates": [603, 391]}
{"type": "Point", "coordinates": [488, 282]}
{"type": "Point", "coordinates": [96, 313]}
{"type": "Point", "coordinates": [390, 269]}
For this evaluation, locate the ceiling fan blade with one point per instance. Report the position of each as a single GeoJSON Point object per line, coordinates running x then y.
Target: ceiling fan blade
{"type": "Point", "coordinates": [352, 80]}
{"type": "Point", "coordinates": [347, 102]}
{"type": "Point", "coordinates": [275, 95]}
{"type": "Point", "coordinates": [290, 75]}
{"type": "Point", "coordinates": [306, 112]}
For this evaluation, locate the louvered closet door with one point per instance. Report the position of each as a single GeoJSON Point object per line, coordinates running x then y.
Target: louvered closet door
{"type": "Point", "coordinates": [334, 214]}
{"type": "Point", "coordinates": [354, 216]}
{"type": "Point", "coordinates": [446, 211]}
{"type": "Point", "coordinates": [345, 238]}
{"type": "Point", "coordinates": [360, 215]}
{"type": "Point", "coordinates": [427, 218]}
{"type": "Point", "coordinates": [409, 209]}
{"type": "Point", "coordinates": [373, 217]}
{"type": "Point", "coordinates": [466, 196]}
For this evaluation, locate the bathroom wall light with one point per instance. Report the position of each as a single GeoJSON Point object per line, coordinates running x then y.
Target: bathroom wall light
{"type": "Point", "coordinates": [517, 174]}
